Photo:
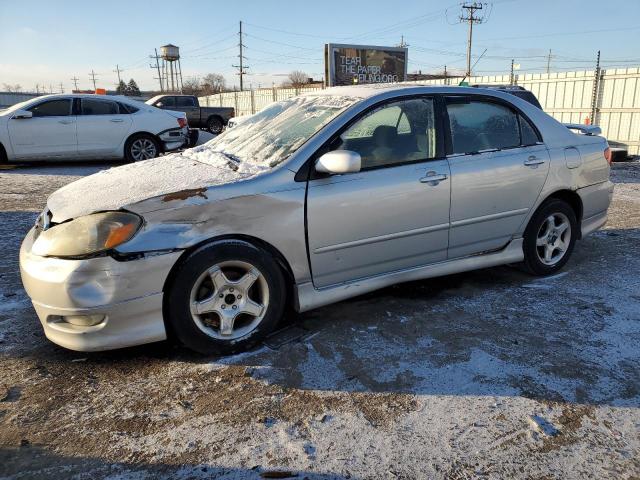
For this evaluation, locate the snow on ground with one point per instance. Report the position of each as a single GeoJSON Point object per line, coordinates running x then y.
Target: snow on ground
{"type": "Point", "coordinates": [489, 374]}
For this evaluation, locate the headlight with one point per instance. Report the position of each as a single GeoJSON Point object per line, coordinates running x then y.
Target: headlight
{"type": "Point", "coordinates": [87, 235]}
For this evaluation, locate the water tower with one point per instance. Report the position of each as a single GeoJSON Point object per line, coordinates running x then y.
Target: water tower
{"type": "Point", "coordinates": [172, 71]}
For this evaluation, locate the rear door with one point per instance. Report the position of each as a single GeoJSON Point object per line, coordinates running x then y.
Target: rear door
{"type": "Point", "coordinates": [50, 133]}
{"type": "Point", "coordinates": [498, 168]}
{"type": "Point", "coordinates": [394, 213]}
{"type": "Point", "coordinates": [102, 127]}
{"type": "Point", "coordinates": [188, 106]}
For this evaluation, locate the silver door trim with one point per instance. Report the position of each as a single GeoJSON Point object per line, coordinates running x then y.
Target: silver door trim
{"type": "Point", "coordinates": [381, 238]}
{"type": "Point", "coordinates": [309, 297]}
{"type": "Point", "coordinates": [493, 216]}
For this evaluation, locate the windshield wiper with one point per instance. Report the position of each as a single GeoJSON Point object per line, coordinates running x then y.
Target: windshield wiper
{"type": "Point", "coordinates": [233, 163]}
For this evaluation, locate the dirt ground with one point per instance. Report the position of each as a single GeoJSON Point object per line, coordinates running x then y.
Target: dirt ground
{"type": "Point", "coordinates": [490, 374]}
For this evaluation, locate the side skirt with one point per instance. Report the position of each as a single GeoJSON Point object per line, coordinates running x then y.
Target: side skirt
{"type": "Point", "coordinates": [310, 297]}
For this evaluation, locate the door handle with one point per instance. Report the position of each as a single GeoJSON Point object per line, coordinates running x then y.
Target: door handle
{"type": "Point", "coordinates": [433, 178]}
{"type": "Point", "coordinates": [116, 120]}
{"type": "Point", "coordinates": [65, 122]}
{"type": "Point", "coordinates": [533, 160]}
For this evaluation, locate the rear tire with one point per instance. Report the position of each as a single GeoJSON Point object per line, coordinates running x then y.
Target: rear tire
{"type": "Point", "coordinates": [225, 297]}
{"type": "Point", "coordinates": [141, 147]}
{"type": "Point", "coordinates": [549, 238]}
{"type": "Point", "coordinates": [3, 156]}
{"type": "Point", "coordinates": [215, 125]}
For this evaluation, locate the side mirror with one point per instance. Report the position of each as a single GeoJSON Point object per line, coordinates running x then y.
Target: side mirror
{"type": "Point", "coordinates": [159, 104]}
{"type": "Point", "coordinates": [339, 161]}
{"type": "Point", "coordinates": [22, 114]}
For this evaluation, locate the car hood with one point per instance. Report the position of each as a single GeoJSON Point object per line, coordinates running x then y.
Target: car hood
{"type": "Point", "coordinates": [175, 177]}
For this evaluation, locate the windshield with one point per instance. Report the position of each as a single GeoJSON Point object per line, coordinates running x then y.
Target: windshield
{"type": "Point", "coordinates": [271, 135]}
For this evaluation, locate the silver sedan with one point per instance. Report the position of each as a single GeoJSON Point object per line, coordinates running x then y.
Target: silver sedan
{"type": "Point", "coordinates": [311, 201]}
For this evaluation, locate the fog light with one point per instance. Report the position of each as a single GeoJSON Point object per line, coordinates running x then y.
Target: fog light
{"type": "Point", "coordinates": [83, 320]}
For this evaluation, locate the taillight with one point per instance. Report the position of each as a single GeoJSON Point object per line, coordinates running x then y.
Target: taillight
{"type": "Point", "coordinates": [182, 122]}
{"type": "Point", "coordinates": [607, 155]}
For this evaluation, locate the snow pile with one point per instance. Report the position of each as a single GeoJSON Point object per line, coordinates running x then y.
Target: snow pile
{"type": "Point", "coordinates": [118, 187]}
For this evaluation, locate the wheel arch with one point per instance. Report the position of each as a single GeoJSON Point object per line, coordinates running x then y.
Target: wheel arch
{"type": "Point", "coordinates": [142, 132]}
{"type": "Point", "coordinates": [215, 115]}
{"type": "Point", "coordinates": [568, 196]}
{"type": "Point", "coordinates": [256, 242]}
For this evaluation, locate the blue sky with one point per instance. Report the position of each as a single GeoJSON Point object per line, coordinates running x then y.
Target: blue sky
{"type": "Point", "coordinates": [47, 43]}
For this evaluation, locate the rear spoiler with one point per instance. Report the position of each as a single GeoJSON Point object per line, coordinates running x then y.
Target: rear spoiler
{"type": "Point", "coordinates": [584, 129]}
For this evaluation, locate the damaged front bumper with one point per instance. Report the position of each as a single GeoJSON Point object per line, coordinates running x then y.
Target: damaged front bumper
{"type": "Point", "coordinates": [98, 303]}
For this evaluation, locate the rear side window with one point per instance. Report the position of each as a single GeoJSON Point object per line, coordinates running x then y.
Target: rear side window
{"type": "Point", "coordinates": [99, 107]}
{"type": "Point", "coordinates": [185, 102]}
{"type": "Point", "coordinates": [52, 108]}
{"type": "Point", "coordinates": [480, 125]}
{"type": "Point", "coordinates": [527, 132]}
{"type": "Point", "coordinates": [126, 109]}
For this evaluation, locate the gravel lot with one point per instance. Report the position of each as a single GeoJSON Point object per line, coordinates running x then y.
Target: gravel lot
{"type": "Point", "coordinates": [490, 374]}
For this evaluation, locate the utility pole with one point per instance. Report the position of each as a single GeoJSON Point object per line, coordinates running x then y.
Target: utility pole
{"type": "Point", "coordinates": [511, 76]}
{"type": "Point", "coordinates": [549, 62]}
{"type": "Point", "coordinates": [75, 82]}
{"type": "Point", "coordinates": [157, 67]}
{"type": "Point", "coordinates": [594, 93]}
{"type": "Point", "coordinates": [470, 18]}
{"type": "Point", "coordinates": [117, 71]}
{"type": "Point", "coordinates": [61, 88]}
{"type": "Point", "coordinates": [93, 77]}
{"type": "Point", "coordinates": [241, 67]}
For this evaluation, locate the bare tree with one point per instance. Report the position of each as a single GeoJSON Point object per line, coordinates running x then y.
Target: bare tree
{"type": "Point", "coordinates": [213, 83]}
{"type": "Point", "coordinates": [298, 78]}
{"type": "Point", "coordinates": [12, 88]}
{"type": "Point", "coordinates": [191, 86]}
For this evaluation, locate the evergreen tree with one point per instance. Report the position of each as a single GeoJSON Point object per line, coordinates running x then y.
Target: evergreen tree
{"type": "Point", "coordinates": [121, 88]}
{"type": "Point", "coordinates": [132, 88]}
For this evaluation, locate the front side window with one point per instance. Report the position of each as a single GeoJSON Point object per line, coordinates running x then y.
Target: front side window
{"type": "Point", "coordinates": [185, 102]}
{"type": "Point", "coordinates": [398, 132]}
{"type": "Point", "coordinates": [166, 102]}
{"type": "Point", "coordinates": [52, 108]}
{"type": "Point", "coordinates": [99, 107]}
{"type": "Point", "coordinates": [478, 125]}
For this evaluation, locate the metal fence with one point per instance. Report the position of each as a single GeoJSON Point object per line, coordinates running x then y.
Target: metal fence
{"type": "Point", "coordinates": [610, 99]}
{"type": "Point", "coordinates": [8, 99]}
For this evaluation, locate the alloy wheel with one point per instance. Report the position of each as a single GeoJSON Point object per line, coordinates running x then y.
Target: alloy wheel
{"type": "Point", "coordinates": [143, 149]}
{"type": "Point", "coordinates": [553, 239]}
{"type": "Point", "coordinates": [229, 300]}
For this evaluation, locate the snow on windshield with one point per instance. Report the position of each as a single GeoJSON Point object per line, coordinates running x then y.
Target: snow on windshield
{"type": "Point", "coordinates": [271, 135]}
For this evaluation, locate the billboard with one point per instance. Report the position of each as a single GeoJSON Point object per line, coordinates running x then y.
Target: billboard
{"type": "Point", "coordinates": [356, 64]}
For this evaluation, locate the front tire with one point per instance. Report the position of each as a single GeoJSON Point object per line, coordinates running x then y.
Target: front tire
{"type": "Point", "coordinates": [215, 125]}
{"type": "Point", "coordinates": [141, 147]}
{"type": "Point", "coordinates": [550, 238]}
{"type": "Point", "coordinates": [225, 297]}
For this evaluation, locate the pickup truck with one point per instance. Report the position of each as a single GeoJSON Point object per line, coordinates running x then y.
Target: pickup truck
{"type": "Point", "coordinates": [211, 118]}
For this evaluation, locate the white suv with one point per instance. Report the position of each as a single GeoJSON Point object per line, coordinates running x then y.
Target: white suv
{"type": "Point", "coordinates": [73, 127]}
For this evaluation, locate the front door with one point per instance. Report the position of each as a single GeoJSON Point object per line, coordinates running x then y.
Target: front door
{"type": "Point", "coordinates": [102, 127]}
{"type": "Point", "coordinates": [498, 168]}
{"type": "Point", "coordinates": [50, 133]}
{"type": "Point", "coordinates": [394, 213]}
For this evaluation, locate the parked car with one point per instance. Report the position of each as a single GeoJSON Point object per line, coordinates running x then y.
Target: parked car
{"type": "Point", "coordinates": [311, 201]}
{"type": "Point", "coordinates": [211, 118]}
{"type": "Point", "coordinates": [516, 90]}
{"type": "Point", "coordinates": [74, 127]}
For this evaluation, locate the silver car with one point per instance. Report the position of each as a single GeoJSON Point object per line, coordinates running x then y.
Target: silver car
{"type": "Point", "coordinates": [311, 201]}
